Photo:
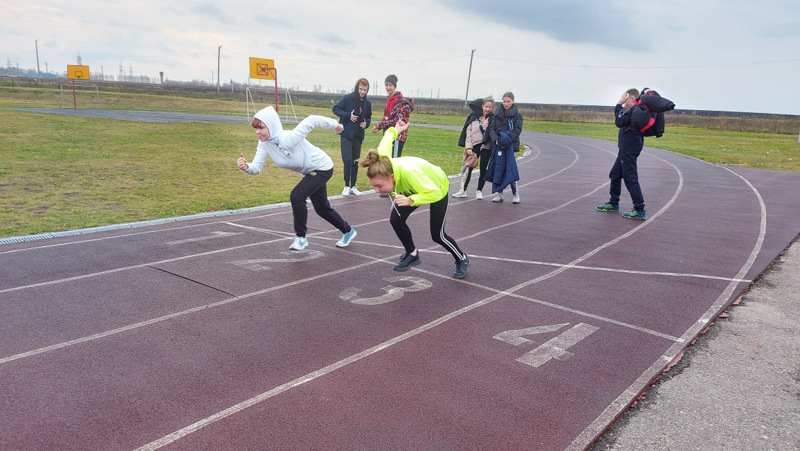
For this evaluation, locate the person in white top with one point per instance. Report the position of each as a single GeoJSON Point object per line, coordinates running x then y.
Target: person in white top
{"type": "Point", "coordinates": [289, 149]}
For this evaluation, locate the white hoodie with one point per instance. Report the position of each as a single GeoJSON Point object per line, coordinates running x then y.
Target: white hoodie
{"type": "Point", "coordinates": [289, 149]}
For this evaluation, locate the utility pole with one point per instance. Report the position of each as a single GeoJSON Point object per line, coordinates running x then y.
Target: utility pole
{"type": "Point", "coordinates": [38, 74]}
{"type": "Point", "coordinates": [469, 75]}
{"type": "Point", "coordinates": [219, 51]}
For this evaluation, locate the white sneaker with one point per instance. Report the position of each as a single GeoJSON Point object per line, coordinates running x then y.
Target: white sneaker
{"type": "Point", "coordinates": [498, 197]}
{"type": "Point", "coordinates": [478, 195]}
{"type": "Point", "coordinates": [354, 191]}
{"type": "Point", "coordinates": [299, 243]}
{"type": "Point", "coordinates": [347, 237]}
{"type": "Point", "coordinates": [459, 193]}
{"type": "Point", "coordinates": [346, 191]}
{"type": "Point", "coordinates": [515, 200]}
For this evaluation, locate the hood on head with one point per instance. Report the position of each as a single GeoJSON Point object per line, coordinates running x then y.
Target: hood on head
{"type": "Point", "coordinates": [271, 119]}
{"type": "Point", "coordinates": [477, 106]}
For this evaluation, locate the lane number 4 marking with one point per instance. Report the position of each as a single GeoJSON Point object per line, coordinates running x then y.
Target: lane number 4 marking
{"type": "Point", "coordinates": [555, 348]}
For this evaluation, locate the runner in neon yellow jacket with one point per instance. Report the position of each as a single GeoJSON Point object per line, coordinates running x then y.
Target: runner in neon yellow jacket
{"type": "Point", "coordinates": [412, 182]}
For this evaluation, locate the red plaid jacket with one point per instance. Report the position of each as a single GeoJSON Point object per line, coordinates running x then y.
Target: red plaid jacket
{"type": "Point", "coordinates": [402, 110]}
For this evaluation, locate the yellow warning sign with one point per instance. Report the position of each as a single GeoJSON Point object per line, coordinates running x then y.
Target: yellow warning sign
{"type": "Point", "coordinates": [262, 68]}
{"type": "Point", "coordinates": [75, 72]}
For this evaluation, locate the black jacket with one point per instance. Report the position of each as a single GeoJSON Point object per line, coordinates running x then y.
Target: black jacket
{"type": "Point", "coordinates": [477, 112]}
{"type": "Point", "coordinates": [629, 138]}
{"type": "Point", "coordinates": [506, 120]}
{"type": "Point", "coordinates": [348, 104]}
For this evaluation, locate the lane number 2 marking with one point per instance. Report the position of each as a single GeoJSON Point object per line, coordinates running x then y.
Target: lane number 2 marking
{"type": "Point", "coordinates": [258, 264]}
{"type": "Point", "coordinates": [555, 348]}
{"type": "Point", "coordinates": [393, 292]}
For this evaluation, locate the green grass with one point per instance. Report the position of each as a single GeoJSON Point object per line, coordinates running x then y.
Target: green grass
{"type": "Point", "coordinates": [755, 150]}
{"type": "Point", "coordinates": [62, 172]}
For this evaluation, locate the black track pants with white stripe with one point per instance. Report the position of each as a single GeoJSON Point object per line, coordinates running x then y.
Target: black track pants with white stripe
{"type": "Point", "coordinates": [438, 216]}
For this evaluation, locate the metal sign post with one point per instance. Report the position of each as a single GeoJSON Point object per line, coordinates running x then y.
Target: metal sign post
{"type": "Point", "coordinates": [75, 72]}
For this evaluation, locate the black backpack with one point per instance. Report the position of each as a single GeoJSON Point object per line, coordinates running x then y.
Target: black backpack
{"type": "Point", "coordinates": [648, 113]}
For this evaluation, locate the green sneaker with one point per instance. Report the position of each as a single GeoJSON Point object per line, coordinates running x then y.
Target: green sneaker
{"type": "Point", "coordinates": [607, 207]}
{"type": "Point", "coordinates": [633, 214]}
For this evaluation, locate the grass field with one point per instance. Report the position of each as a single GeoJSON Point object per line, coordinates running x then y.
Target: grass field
{"type": "Point", "coordinates": [62, 172]}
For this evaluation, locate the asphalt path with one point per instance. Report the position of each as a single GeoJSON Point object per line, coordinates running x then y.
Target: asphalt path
{"type": "Point", "coordinates": [208, 333]}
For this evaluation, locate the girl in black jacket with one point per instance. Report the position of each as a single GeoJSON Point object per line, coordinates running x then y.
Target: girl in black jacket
{"type": "Point", "coordinates": [355, 113]}
{"type": "Point", "coordinates": [507, 118]}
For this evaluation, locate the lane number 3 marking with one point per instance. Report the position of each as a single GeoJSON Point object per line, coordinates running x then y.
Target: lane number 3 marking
{"type": "Point", "coordinates": [393, 292]}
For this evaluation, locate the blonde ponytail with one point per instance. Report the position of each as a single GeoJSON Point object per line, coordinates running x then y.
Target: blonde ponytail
{"type": "Point", "coordinates": [376, 165]}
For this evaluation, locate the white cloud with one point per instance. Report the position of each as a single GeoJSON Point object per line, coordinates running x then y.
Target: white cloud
{"type": "Point", "coordinates": [703, 55]}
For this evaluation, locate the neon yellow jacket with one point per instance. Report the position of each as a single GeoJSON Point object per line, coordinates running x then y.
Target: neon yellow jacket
{"type": "Point", "coordinates": [414, 177]}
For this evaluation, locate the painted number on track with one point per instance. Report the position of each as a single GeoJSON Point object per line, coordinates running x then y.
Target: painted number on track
{"type": "Point", "coordinates": [555, 348]}
{"type": "Point", "coordinates": [393, 292]}
{"type": "Point", "coordinates": [258, 264]}
{"type": "Point", "coordinates": [213, 235]}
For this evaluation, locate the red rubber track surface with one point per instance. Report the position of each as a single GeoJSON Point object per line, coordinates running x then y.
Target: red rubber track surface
{"type": "Point", "coordinates": [211, 334]}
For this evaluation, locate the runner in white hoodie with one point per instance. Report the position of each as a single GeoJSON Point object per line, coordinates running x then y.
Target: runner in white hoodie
{"type": "Point", "coordinates": [289, 149]}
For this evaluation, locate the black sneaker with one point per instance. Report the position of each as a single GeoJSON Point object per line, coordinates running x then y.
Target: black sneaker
{"type": "Point", "coordinates": [461, 268]}
{"type": "Point", "coordinates": [407, 261]}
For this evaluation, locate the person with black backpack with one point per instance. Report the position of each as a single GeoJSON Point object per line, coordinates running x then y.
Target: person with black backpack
{"type": "Point", "coordinates": [630, 143]}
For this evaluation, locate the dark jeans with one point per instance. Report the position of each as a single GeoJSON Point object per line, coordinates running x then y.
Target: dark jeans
{"type": "Point", "coordinates": [314, 186]}
{"type": "Point", "coordinates": [351, 151]}
{"type": "Point", "coordinates": [625, 169]}
{"type": "Point", "coordinates": [438, 215]}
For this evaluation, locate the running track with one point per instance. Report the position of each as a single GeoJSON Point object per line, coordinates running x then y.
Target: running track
{"type": "Point", "coordinates": [210, 334]}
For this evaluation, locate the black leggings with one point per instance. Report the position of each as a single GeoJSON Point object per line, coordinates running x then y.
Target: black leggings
{"type": "Point", "coordinates": [486, 154]}
{"type": "Point", "coordinates": [438, 215]}
{"type": "Point", "coordinates": [483, 162]}
{"type": "Point", "coordinates": [314, 186]}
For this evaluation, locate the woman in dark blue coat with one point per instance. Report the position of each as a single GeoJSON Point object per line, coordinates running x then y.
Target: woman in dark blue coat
{"type": "Point", "coordinates": [506, 119]}
{"type": "Point", "coordinates": [355, 113]}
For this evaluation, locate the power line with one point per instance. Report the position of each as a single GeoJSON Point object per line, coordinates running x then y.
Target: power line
{"type": "Point", "coordinates": [362, 62]}
{"type": "Point", "coordinates": [165, 55]}
{"type": "Point", "coordinates": [586, 66]}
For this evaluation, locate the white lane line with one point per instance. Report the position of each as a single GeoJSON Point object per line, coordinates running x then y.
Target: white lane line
{"type": "Point", "coordinates": [621, 403]}
{"type": "Point", "coordinates": [344, 362]}
{"type": "Point", "coordinates": [166, 317]}
{"type": "Point", "coordinates": [143, 265]}
{"type": "Point", "coordinates": [307, 378]}
{"type": "Point", "coordinates": [144, 323]}
{"type": "Point", "coordinates": [127, 235]}
{"type": "Point", "coordinates": [279, 233]}
{"type": "Point", "coordinates": [511, 292]}
{"type": "Point", "coordinates": [605, 269]}
{"type": "Point", "coordinates": [214, 235]}
{"type": "Point", "coordinates": [181, 313]}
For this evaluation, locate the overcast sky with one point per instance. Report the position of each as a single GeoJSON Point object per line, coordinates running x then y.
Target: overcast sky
{"type": "Point", "coordinates": [731, 55]}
